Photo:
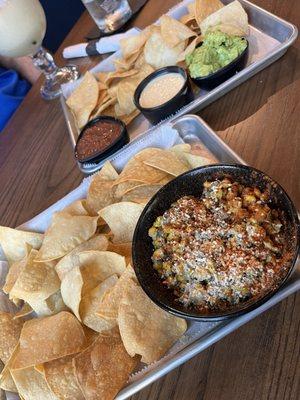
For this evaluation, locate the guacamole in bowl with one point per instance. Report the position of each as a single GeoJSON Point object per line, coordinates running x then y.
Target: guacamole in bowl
{"type": "Point", "coordinates": [216, 52]}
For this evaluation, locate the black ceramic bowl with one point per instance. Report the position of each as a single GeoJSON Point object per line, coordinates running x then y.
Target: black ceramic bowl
{"type": "Point", "coordinates": [158, 113]}
{"type": "Point", "coordinates": [112, 148]}
{"type": "Point", "coordinates": [216, 78]}
{"type": "Point", "coordinates": [191, 183]}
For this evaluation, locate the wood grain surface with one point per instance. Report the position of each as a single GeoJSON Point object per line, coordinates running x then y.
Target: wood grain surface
{"type": "Point", "coordinates": [260, 121]}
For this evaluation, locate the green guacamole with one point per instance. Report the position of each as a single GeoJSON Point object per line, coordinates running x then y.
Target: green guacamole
{"type": "Point", "coordinates": [218, 50]}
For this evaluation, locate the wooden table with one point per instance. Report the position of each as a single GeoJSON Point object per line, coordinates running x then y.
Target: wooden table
{"type": "Point", "coordinates": [259, 120]}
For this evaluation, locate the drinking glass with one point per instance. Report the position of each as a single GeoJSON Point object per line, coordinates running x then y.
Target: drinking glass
{"type": "Point", "coordinates": [22, 30]}
{"type": "Point", "coordinates": [109, 15]}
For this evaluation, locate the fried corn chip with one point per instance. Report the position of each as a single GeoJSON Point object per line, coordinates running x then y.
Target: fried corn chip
{"type": "Point", "coordinates": [196, 161]}
{"type": "Point", "coordinates": [84, 99]}
{"type": "Point", "coordinates": [52, 305]}
{"type": "Point", "coordinates": [24, 311]}
{"type": "Point", "coordinates": [32, 385]}
{"type": "Point", "coordinates": [71, 287]}
{"type": "Point", "coordinates": [145, 328]}
{"type": "Point", "coordinates": [91, 302]}
{"type": "Point", "coordinates": [77, 208]}
{"type": "Point", "coordinates": [204, 8]}
{"type": "Point", "coordinates": [100, 193]}
{"type": "Point", "coordinates": [104, 367]}
{"type": "Point", "coordinates": [168, 162]}
{"type": "Point", "coordinates": [174, 32]}
{"type": "Point", "coordinates": [6, 380]}
{"type": "Point", "coordinates": [98, 242]}
{"type": "Point", "coordinates": [190, 48]}
{"type": "Point", "coordinates": [134, 44]}
{"type": "Point", "coordinates": [13, 273]}
{"type": "Point", "coordinates": [231, 19]}
{"type": "Point", "coordinates": [141, 192]}
{"type": "Point", "coordinates": [60, 377]}
{"type": "Point", "coordinates": [108, 307]}
{"type": "Point", "coordinates": [36, 281]}
{"type": "Point", "coordinates": [64, 234]}
{"type": "Point", "coordinates": [122, 218]}
{"type": "Point", "coordinates": [159, 54]}
{"type": "Point", "coordinates": [14, 242]}
{"type": "Point", "coordinates": [124, 249]}
{"type": "Point", "coordinates": [47, 339]}
{"type": "Point", "coordinates": [10, 330]}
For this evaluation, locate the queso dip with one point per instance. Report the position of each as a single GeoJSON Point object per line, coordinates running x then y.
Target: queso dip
{"type": "Point", "coordinates": [161, 89]}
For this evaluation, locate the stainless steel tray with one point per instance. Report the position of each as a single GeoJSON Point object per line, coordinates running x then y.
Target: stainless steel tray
{"type": "Point", "coordinates": [270, 37]}
{"type": "Point", "coordinates": [193, 129]}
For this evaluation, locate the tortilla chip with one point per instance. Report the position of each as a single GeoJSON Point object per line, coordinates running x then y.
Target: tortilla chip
{"type": "Point", "coordinates": [146, 329]}
{"type": "Point", "coordinates": [133, 44]}
{"type": "Point", "coordinates": [13, 273]}
{"type": "Point", "coordinates": [204, 8]}
{"type": "Point", "coordinates": [130, 117]}
{"type": "Point", "coordinates": [71, 287]}
{"type": "Point", "coordinates": [6, 380]}
{"type": "Point", "coordinates": [168, 162]}
{"type": "Point", "coordinates": [36, 281]}
{"type": "Point", "coordinates": [76, 208]}
{"type": "Point", "coordinates": [104, 367]}
{"type": "Point", "coordinates": [117, 75]}
{"type": "Point", "coordinates": [96, 266]}
{"type": "Point", "coordinates": [124, 249]}
{"type": "Point", "coordinates": [100, 192]}
{"type": "Point", "coordinates": [10, 330]}
{"type": "Point", "coordinates": [231, 19]}
{"type": "Point", "coordinates": [122, 218]}
{"type": "Point", "coordinates": [60, 377]}
{"type": "Point", "coordinates": [32, 385]}
{"type": "Point", "coordinates": [98, 242]}
{"type": "Point", "coordinates": [174, 32]}
{"type": "Point", "coordinates": [84, 99]}
{"type": "Point", "coordinates": [197, 161]}
{"type": "Point", "coordinates": [190, 48]}
{"type": "Point", "coordinates": [126, 89]}
{"type": "Point", "coordinates": [108, 307]}
{"type": "Point", "coordinates": [49, 338]}
{"type": "Point", "coordinates": [91, 302]}
{"type": "Point", "coordinates": [159, 54]}
{"type": "Point", "coordinates": [143, 191]}
{"type": "Point", "coordinates": [53, 305]}
{"type": "Point", "coordinates": [13, 242]}
{"type": "Point", "coordinates": [64, 234]}
{"type": "Point", "coordinates": [107, 102]}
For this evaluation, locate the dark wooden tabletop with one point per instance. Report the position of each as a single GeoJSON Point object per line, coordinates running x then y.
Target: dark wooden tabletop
{"type": "Point", "coordinates": [260, 121]}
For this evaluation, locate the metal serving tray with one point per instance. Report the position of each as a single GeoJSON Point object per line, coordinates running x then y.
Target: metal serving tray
{"type": "Point", "coordinates": [192, 129]}
{"type": "Point", "coordinates": [270, 37]}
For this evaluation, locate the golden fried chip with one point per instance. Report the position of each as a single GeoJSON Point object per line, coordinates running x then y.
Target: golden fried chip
{"type": "Point", "coordinates": [96, 266]}
{"type": "Point", "coordinates": [6, 380]}
{"type": "Point", "coordinates": [64, 234]}
{"type": "Point", "coordinates": [71, 287]}
{"type": "Point", "coordinates": [190, 48]}
{"type": "Point", "coordinates": [146, 329]}
{"type": "Point", "coordinates": [36, 281]}
{"type": "Point", "coordinates": [126, 89]}
{"type": "Point", "coordinates": [91, 302]}
{"type": "Point", "coordinates": [141, 192]}
{"type": "Point", "coordinates": [100, 192]}
{"type": "Point", "coordinates": [104, 367]}
{"type": "Point", "coordinates": [49, 338]}
{"type": "Point", "coordinates": [84, 98]}
{"type": "Point", "coordinates": [98, 242]}
{"type": "Point", "coordinates": [14, 241]}
{"type": "Point", "coordinates": [231, 19]}
{"type": "Point", "coordinates": [159, 54]}
{"type": "Point", "coordinates": [130, 117]}
{"type": "Point", "coordinates": [204, 8]}
{"type": "Point", "coordinates": [196, 161]}
{"type": "Point", "coordinates": [13, 273]}
{"type": "Point", "coordinates": [174, 32]}
{"type": "Point", "coordinates": [122, 218]}
{"type": "Point", "coordinates": [52, 305]}
{"type": "Point", "coordinates": [133, 44]}
{"type": "Point", "coordinates": [117, 75]}
{"type": "Point", "coordinates": [76, 208]}
{"type": "Point", "coordinates": [10, 330]}
{"type": "Point", "coordinates": [32, 385]}
{"type": "Point", "coordinates": [124, 249]}
{"type": "Point", "coordinates": [60, 377]}
{"type": "Point", "coordinates": [108, 307]}
{"type": "Point", "coordinates": [168, 162]}
{"type": "Point", "coordinates": [106, 103]}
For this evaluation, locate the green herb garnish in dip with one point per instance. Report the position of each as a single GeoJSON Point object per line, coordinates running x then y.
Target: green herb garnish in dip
{"type": "Point", "coordinates": [217, 50]}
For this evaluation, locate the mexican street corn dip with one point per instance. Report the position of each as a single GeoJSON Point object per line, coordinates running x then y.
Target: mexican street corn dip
{"type": "Point", "coordinates": [220, 250]}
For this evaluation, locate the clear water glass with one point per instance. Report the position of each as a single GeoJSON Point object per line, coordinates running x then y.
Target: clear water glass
{"type": "Point", "coordinates": [109, 15]}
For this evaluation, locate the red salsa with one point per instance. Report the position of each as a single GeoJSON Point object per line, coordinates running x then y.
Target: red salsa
{"type": "Point", "coordinates": [97, 138]}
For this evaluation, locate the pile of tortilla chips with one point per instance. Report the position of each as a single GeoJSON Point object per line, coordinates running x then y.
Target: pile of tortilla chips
{"type": "Point", "coordinates": [168, 43]}
{"type": "Point", "coordinates": [88, 322]}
